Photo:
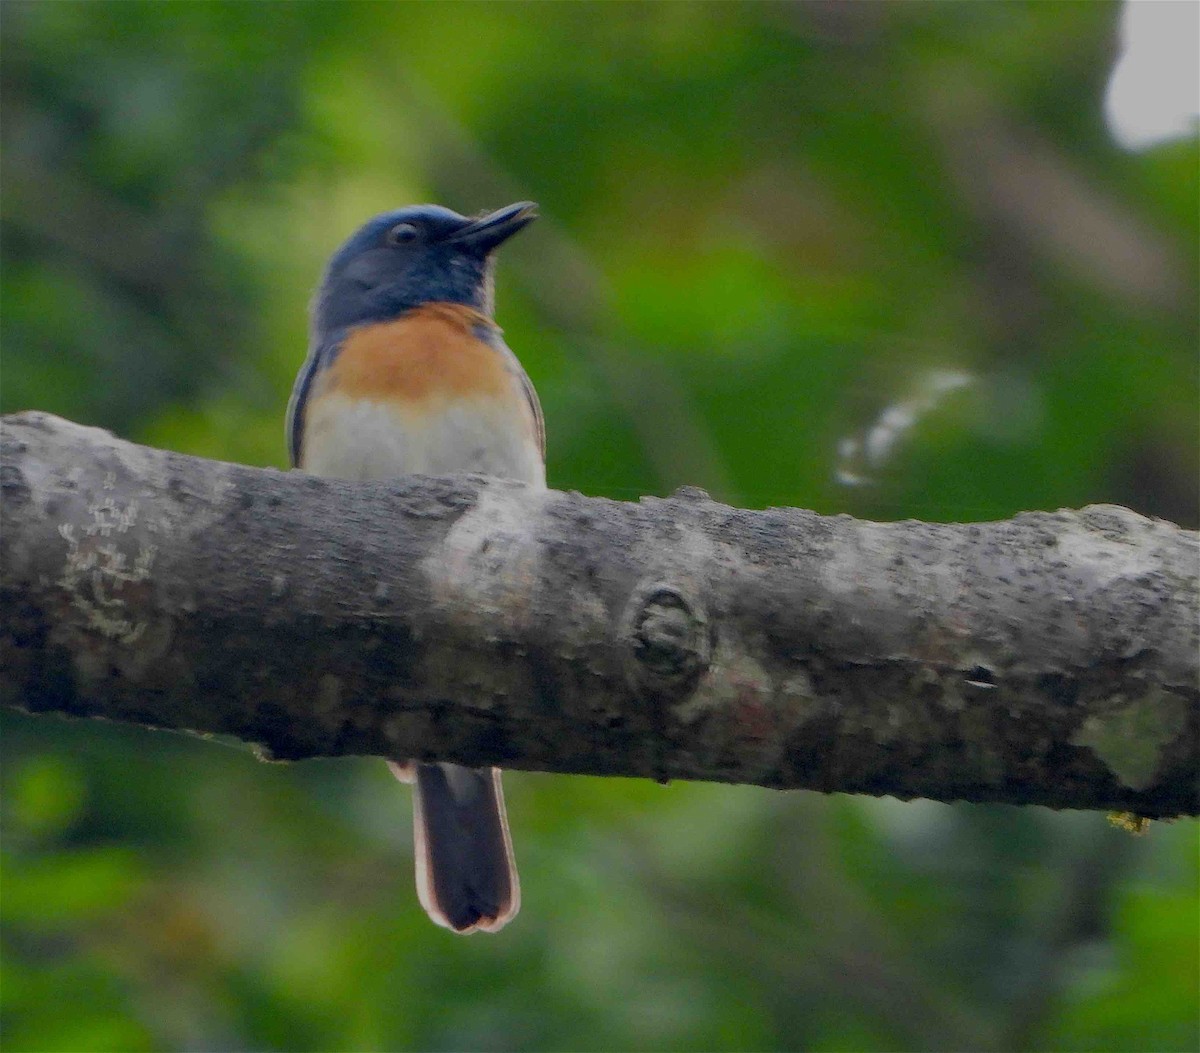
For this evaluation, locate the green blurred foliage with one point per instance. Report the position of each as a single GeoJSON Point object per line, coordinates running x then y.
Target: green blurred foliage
{"type": "Point", "coordinates": [764, 225]}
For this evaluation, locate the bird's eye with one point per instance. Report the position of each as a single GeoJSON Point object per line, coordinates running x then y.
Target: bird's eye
{"type": "Point", "coordinates": [403, 234]}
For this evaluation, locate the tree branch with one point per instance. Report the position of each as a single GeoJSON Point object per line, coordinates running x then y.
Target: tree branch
{"type": "Point", "coordinates": [1049, 659]}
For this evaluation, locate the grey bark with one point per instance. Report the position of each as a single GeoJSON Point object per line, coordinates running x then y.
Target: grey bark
{"type": "Point", "coordinates": [1048, 659]}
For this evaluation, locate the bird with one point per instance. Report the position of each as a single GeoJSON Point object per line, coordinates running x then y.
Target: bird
{"type": "Point", "coordinates": [407, 372]}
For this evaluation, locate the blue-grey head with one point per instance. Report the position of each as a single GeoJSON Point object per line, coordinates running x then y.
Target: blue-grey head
{"type": "Point", "coordinates": [410, 256]}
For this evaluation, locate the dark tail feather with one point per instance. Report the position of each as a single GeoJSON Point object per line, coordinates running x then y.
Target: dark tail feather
{"type": "Point", "coordinates": [466, 879]}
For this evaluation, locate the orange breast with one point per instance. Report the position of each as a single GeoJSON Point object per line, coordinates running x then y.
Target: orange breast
{"type": "Point", "coordinates": [431, 351]}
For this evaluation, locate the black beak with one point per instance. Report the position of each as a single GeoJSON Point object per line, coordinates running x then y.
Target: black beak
{"type": "Point", "coordinates": [486, 233]}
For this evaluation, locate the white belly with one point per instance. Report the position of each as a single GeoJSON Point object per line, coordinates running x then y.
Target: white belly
{"type": "Point", "coordinates": [366, 440]}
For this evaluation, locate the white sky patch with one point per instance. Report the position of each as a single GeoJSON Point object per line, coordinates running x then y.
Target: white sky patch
{"type": "Point", "coordinates": [1154, 92]}
{"type": "Point", "coordinates": [861, 456]}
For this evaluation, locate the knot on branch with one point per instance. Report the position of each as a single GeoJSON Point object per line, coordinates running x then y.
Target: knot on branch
{"type": "Point", "coordinates": [669, 640]}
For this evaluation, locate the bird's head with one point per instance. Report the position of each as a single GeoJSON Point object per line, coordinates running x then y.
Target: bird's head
{"type": "Point", "coordinates": [415, 255]}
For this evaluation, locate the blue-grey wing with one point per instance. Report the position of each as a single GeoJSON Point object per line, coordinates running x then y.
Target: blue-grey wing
{"type": "Point", "coordinates": [494, 337]}
{"type": "Point", "coordinates": [299, 400]}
